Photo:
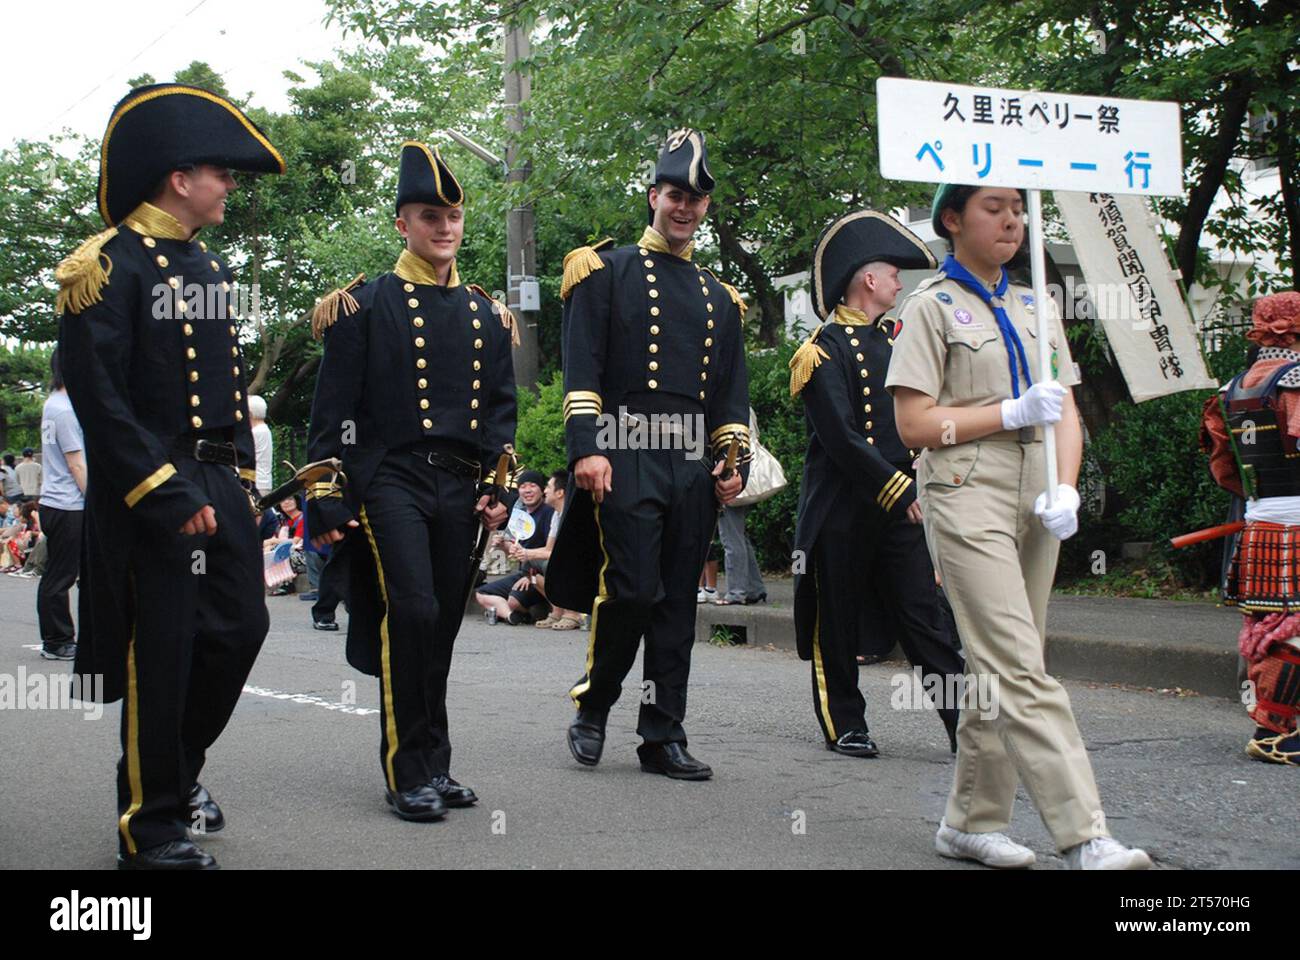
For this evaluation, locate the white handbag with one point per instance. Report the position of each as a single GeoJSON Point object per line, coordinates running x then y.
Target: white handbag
{"type": "Point", "coordinates": [766, 478]}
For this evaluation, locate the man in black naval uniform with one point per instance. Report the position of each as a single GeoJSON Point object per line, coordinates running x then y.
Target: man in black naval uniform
{"type": "Point", "coordinates": [859, 529]}
{"type": "Point", "coordinates": [172, 609]}
{"type": "Point", "coordinates": [416, 396]}
{"type": "Point", "coordinates": [653, 350]}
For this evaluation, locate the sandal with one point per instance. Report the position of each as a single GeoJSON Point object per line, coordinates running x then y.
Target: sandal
{"type": "Point", "coordinates": [567, 623]}
{"type": "Point", "coordinates": [547, 622]}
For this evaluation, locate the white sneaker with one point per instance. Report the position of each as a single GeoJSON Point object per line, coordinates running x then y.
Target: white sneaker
{"type": "Point", "coordinates": [706, 595]}
{"type": "Point", "coordinates": [1103, 853]}
{"type": "Point", "coordinates": [990, 849]}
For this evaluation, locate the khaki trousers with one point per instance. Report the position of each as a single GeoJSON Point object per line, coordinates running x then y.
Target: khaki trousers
{"type": "Point", "coordinates": [997, 562]}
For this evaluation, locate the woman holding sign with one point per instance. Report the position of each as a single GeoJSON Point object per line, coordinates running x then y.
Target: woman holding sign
{"type": "Point", "coordinates": [963, 378]}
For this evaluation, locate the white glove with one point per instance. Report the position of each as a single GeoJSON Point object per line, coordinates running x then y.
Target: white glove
{"type": "Point", "coordinates": [1062, 519]}
{"type": "Point", "coordinates": [1038, 405]}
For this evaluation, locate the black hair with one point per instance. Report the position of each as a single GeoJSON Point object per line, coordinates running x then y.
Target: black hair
{"type": "Point", "coordinates": [561, 478]}
{"type": "Point", "coordinates": [56, 375]}
{"type": "Point", "coordinates": [28, 452]}
{"type": "Point", "coordinates": [161, 186]}
{"type": "Point", "coordinates": [9, 460]}
{"type": "Point", "coordinates": [956, 202]}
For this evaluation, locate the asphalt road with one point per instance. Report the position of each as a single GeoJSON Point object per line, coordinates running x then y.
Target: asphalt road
{"type": "Point", "coordinates": [298, 776]}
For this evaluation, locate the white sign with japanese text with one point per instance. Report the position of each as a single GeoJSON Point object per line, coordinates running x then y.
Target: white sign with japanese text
{"type": "Point", "coordinates": [1135, 293]}
{"type": "Point", "coordinates": [986, 136]}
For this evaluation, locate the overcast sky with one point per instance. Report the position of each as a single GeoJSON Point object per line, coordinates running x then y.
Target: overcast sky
{"type": "Point", "coordinates": [66, 64]}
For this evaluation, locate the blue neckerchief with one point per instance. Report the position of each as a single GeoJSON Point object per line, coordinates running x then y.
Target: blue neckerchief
{"type": "Point", "coordinates": [1015, 348]}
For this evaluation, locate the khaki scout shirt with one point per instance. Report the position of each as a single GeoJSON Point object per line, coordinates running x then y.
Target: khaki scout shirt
{"type": "Point", "coordinates": [950, 347]}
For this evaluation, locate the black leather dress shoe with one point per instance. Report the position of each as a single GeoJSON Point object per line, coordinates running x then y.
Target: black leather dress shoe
{"type": "Point", "coordinates": [453, 794]}
{"type": "Point", "coordinates": [173, 855]}
{"type": "Point", "coordinates": [587, 736]}
{"type": "Point", "coordinates": [672, 760]}
{"type": "Point", "coordinates": [855, 743]}
{"type": "Point", "coordinates": [421, 804]}
{"type": "Point", "coordinates": [209, 814]}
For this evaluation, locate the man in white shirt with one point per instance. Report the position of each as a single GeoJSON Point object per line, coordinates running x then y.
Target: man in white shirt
{"type": "Point", "coordinates": [63, 501]}
{"type": "Point", "coordinates": [29, 475]}
{"type": "Point", "coordinates": [263, 455]}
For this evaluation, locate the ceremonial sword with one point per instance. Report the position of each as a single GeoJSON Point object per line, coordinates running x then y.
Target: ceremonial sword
{"type": "Point", "coordinates": [500, 479]}
{"type": "Point", "coordinates": [301, 478]}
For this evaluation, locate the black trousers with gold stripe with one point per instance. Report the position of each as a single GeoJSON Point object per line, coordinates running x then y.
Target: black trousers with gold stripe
{"type": "Point", "coordinates": [420, 522]}
{"type": "Point", "coordinates": [655, 528]}
{"type": "Point", "coordinates": [862, 549]}
{"type": "Point", "coordinates": [200, 619]}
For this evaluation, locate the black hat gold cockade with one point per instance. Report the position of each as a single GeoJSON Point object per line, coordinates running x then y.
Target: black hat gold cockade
{"type": "Point", "coordinates": [684, 162]}
{"type": "Point", "coordinates": [166, 126]}
{"type": "Point", "coordinates": [855, 239]}
{"type": "Point", "coordinates": [424, 177]}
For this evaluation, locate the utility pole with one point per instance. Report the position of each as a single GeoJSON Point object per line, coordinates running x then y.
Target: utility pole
{"type": "Point", "coordinates": [521, 250]}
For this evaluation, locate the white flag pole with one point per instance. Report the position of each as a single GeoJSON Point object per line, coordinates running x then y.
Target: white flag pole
{"type": "Point", "coordinates": [1038, 268]}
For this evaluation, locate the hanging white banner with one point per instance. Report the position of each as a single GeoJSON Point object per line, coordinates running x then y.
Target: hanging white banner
{"type": "Point", "coordinates": [1135, 293]}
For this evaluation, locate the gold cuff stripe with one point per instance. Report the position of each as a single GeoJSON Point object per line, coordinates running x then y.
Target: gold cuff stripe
{"type": "Point", "coordinates": [894, 490]}
{"type": "Point", "coordinates": [739, 429]}
{"type": "Point", "coordinates": [150, 483]}
{"type": "Point", "coordinates": [322, 491]}
{"type": "Point", "coordinates": [581, 403]}
{"type": "Point", "coordinates": [895, 484]}
{"type": "Point", "coordinates": [248, 473]}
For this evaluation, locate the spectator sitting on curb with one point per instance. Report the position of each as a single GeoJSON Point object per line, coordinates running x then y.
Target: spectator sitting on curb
{"type": "Point", "coordinates": [512, 597]}
{"type": "Point", "coordinates": [21, 547]}
{"type": "Point", "coordinates": [282, 556]}
{"type": "Point", "coordinates": [559, 618]}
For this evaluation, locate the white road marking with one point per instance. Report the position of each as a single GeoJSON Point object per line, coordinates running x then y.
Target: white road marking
{"type": "Point", "coordinates": [311, 700]}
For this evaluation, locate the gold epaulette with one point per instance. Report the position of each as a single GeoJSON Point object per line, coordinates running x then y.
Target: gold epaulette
{"type": "Point", "coordinates": [82, 275]}
{"type": "Point", "coordinates": [732, 292]}
{"type": "Point", "coordinates": [805, 360]}
{"type": "Point", "coordinates": [327, 307]}
{"type": "Point", "coordinates": [501, 310]}
{"type": "Point", "coordinates": [580, 263]}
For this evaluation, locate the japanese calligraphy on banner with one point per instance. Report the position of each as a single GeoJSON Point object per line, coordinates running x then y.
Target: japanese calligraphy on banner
{"type": "Point", "coordinates": [1135, 293]}
{"type": "Point", "coordinates": [947, 133]}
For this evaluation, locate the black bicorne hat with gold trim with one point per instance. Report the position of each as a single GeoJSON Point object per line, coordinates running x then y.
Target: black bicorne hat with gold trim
{"type": "Point", "coordinates": [424, 177]}
{"type": "Point", "coordinates": [685, 163]}
{"type": "Point", "coordinates": [164, 126]}
{"type": "Point", "coordinates": [853, 240]}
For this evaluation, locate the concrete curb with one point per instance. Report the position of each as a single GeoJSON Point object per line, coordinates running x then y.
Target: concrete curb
{"type": "Point", "coordinates": [1206, 668]}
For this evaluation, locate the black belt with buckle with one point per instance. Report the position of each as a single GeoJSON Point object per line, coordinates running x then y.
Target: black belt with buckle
{"type": "Point", "coordinates": [451, 463]}
{"type": "Point", "coordinates": [207, 451]}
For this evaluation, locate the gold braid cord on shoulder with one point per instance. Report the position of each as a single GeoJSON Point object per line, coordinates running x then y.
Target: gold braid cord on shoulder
{"type": "Point", "coordinates": [732, 292]}
{"type": "Point", "coordinates": [579, 264]}
{"type": "Point", "coordinates": [805, 360]}
{"type": "Point", "coordinates": [327, 308]}
{"type": "Point", "coordinates": [83, 273]}
{"type": "Point", "coordinates": [501, 310]}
